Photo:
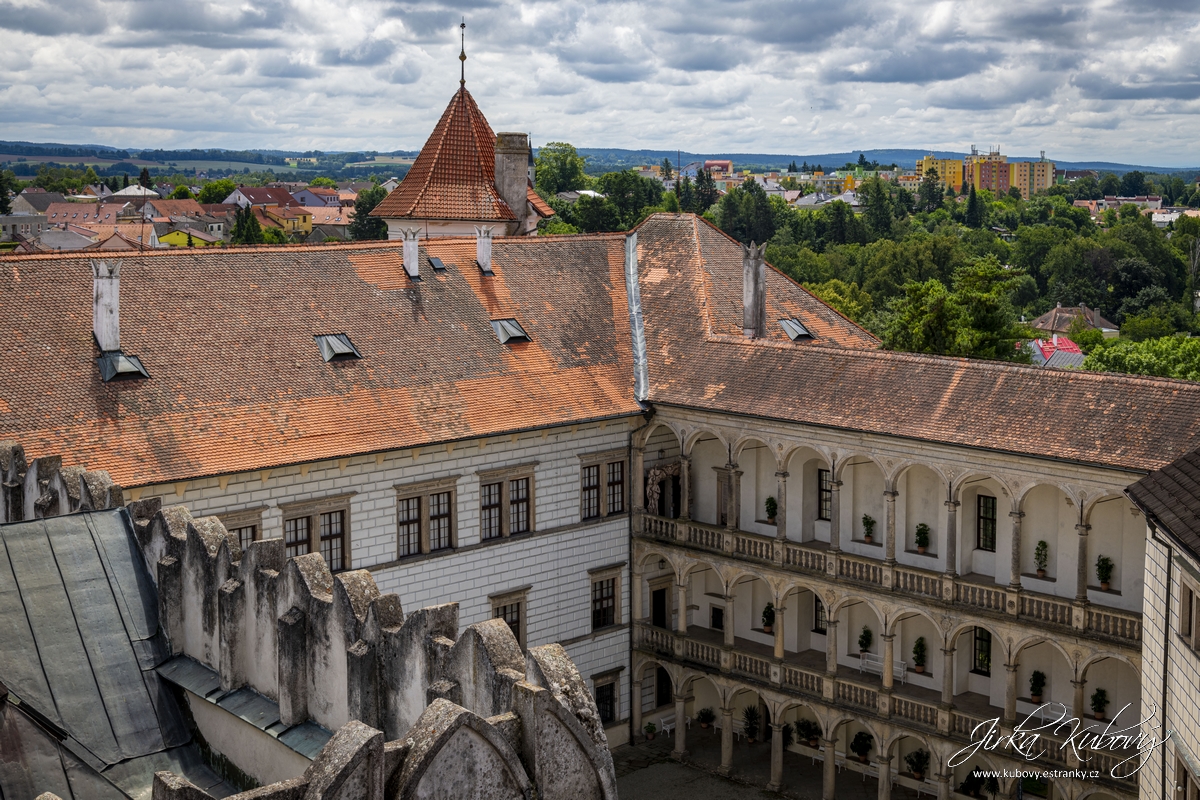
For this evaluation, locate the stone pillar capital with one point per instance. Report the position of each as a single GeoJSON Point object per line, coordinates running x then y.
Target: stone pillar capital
{"type": "Point", "coordinates": [952, 504]}
{"type": "Point", "coordinates": [782, 474]}
{"type": "Point", "coordinates": [890, 495]}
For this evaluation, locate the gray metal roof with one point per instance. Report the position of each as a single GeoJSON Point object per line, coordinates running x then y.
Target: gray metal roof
{"type": "Point", "coordinates": [81, 640]}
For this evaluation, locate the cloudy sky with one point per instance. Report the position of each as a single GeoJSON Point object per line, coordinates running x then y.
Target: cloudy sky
{"type": "Point", "coordinates": [1111, 80]}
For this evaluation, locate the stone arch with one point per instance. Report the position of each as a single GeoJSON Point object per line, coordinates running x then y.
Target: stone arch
{"type": "Point", "coordinates": [694, 436]}
{"type": "Point", "coordinates": [1035, 639]}
{"type": "Point", "coordinates": [1023, 492]}
{"type": "Point", "coordinates": [848, 459]}
{"type": "Point", "coordinates": [1095, 658]}
{"type": "Point", "coordinates": [908, 612]}
{"type": "Point", "coordinates": [960, 482]}
{"type": "Point", "coordinates": [847, 599]}
{"type": "Point", "coordinates": [739, 445]}
{"type": "Point", "coordinates": [904, 466]}
{"type": "Point", "coordinates": [644, 436]}
{"type": "Point", "coordinates": [676, 672]}
{"type": "Point", "coordinates": [1096, 499]}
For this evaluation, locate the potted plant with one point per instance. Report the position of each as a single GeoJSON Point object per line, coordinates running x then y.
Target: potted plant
{"type": "Point", "coordinates": [868, 523]}
{"type": "Point", "coordinates": [772, 509]}
{"type": "Point", "coordinates": [972, 783]}
{"type": "Point", "coordinates": [918, 762]}
{"type": "Point", "coordinates": [1041, 557]}
{"type": "Point", "coordinates": [919, 652]}
{"type": "Point", "coordinates": [705, 717]}
{"type": "Point", "coordinates": [768, 618]}
{"type": "Point", "coordinates": [860, 745]}
{"type": "Point", "coordinates": [922, 537]}
{"type": "Point", "coordinates": [991, 785]}
{"type": "Point", "coordinates": [809, 731]}
{"type": "Point", "coordinates": [1099, 703]}
{"type": "Point", "coordinates": [751, 718]}
{"type": "Point", "coordinates": [1104, 571]}
{"type": "Point", "coordinates": [788, 736]}
{"type": "Point", "coordinates": [650, 730]}
{"type": "Point", "coordinates": [1037, 684]}
{"type": "Point", "coordinates": [864, 640]}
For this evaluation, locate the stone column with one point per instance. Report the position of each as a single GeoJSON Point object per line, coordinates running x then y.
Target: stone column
{"type": "Point", "coordinates": [726, 741]}
{"type": "Point", "coordinates": [685, 488]}
{"type": "Point", "coordinates": [779, 631]}
{"type": "Point", "coordinates": [637, 471]}
{"type": "Point", "coordinates": [681, 601]}
{"type": "Point", "coordinates": [835, 516]}
{"type": "Point", "coordinates": [729, 619]}
{"type": "Point", "coordinates": [943, 781]}
{"type": "Point", "coordinates": [1014, 566]}
{"type": "Point", "coordinates": [635, 708]}
{"type": "Point", "coordinates": [1077, 703]}
{"type": "Point", "coordinates": [888, 657]}
{"type": "Point", "coordinates": [884, 768]}
{"type": "Point", "coordinates": [947, 676]}
{"type": "Point", "coordinates": [680, 752]}
{"type": "Point", "coordinates": [829, 771]}
{"type": "Point", "coordinates": [831, 663]}
{"type": "Point", "coordinates": [1010, 694]}
{"type": "Point", "coordinates": [951, 538]}
{"type": "Point", "coordinates": [781, 503]}
{"type": "Point", "coordinates": [1081, 574]}
{"type": "Point", "coordinates": [889, 547]}
{"type": "Point", "coordinates": [635, 592]}
{"type": "Point", "coordinates": [776, 758]}
{"type": "Point", "coordinates": [735, 500]}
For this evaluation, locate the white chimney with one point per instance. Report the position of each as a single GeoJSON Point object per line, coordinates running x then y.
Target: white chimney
{"type": "Point", "coordinates": [106, 304]}
{"type": "Point", "coordinates": [754, 281]}
{"type": "Point", "coordinates": [412, 254]}
{"type": "Point", "coordinates": [483, 248]}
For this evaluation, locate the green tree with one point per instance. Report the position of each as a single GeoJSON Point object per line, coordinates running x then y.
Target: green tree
{"type": "Point", "coordinates": [90, 178]}
{"type": "Point", "coordinates": [706, 191]}
{"type": "Point", "coordinates": [975, 209]}
{"type": "Point", "coordinates": [274, 236]}
{"type": "Point", "coordinates": [630, 193]}
{"type": "Point", "coordinates": [878, 203]}
{"type": "Point", "coordinates": [846, 298]}
{"type": "Point", "coordinates": [125, 181]}
{"type": "Point", "coordinates": [8, 183]}
{"type": "Point", "coordinates": [144, 178]}
{"type": "Point", "coordinates": [559, 168]}
{"type": "Point", "coordinates": [324, 182]}
{"type": "Point", "coordinates": [929, 195]}
{"type": "Point", "coordinates": [216, 191]}
{"type": "Point", "coordinates": [1133, 183]}
{"type": "Point", "coordinates": [596, 214]}
{"type": "Point", "coordinates": [686, 193]}
{"type": "Point", "coordinates": [1165, 357]}
{"type": "Point", "coordinates": [667, 172]}
{"type": "Point", "coordinates": [181, 192]}
{"type": "Point", "coordinates": [364, 226]}
{"type": "Point", "coordinates": [190, 243]}
{"type": "Point", "coordinates": [246, 229]}
{"type": "Point", "coordinates": [1110, 185]}
{"type": "Point", "coordinates": [745, 213]}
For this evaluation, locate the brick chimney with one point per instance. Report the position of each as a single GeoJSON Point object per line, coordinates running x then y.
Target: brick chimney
{"type": "Point", "coordinates": [106, 304]}
{"type": "Point", "coordinates": [412, 254]}
{"type": "Point", "coordinates": [483, 248]}
{"type": "Point", "coordinates": [512, 174]}
{"type": "Point", "coordinates": [754, 291]}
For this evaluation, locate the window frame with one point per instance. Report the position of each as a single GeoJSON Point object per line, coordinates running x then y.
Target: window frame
{"type": "Point", "coordinates": [510, 597]}
{"type": "Point", "coordinates": [976, 640]}
{"type": "Point", "coordinates": [423, 492]}
{"type": "Point", "coordinates": [602, 462]}
{"type": "Point", "coordinates": [1189, 605]}
{"type": "Point", "coordinates": [312, 511]}
{"type": "Point", "coordinates": [235, 521]}
{"type": "Point", "coordinates": [824, 494]}
{"type": "Point", "coordinates": [980, 519]}
{"type": "Point", "coordinates": [611, 685]}
{"type": "Point", "coordinates": [615, 573]}
{"type": "Point", "coordinates": [820, 613]}
{"type": "Point", "coordinates": [505, 476]}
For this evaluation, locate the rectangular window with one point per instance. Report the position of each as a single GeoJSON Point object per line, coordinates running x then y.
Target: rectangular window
{"type": "Point", "coordinates": [824, 494]}
{"type": "Point", "coordinates": [410, 526]}
{"type": "Point", "coordinates": [245, 535]}
{"type": "Point", "coordinates": [616, 487]}
{"type": "Point", "coordinates": [489, 517]}
{"type": "Point", "coordinates": [722, 497]}
{"type": "Point", "coordinates": [590, 499]}
{"type": "Point", "coordinates": [518, 506]}
{"type": "Point", "coordinates": [295, 537]}
{"type": "Point", "coordinates": [439, 521]}
{"type": "Point", "coordinates": [333, 539]}
{"type": "Point", "coordinates": [986, 528]}
{"type": "Point", "coordinates": [604, 603]}
{"type": "Point", "coordinates": [716, 618]}
{"type": "Point", "coordinates": [511, 614]}
{"type": "Point", "coordinates": [982, 661]}
{"type": "Point", "coordinates": [606, 703]}
{"type": "Point", "coordinates": [820, 620]}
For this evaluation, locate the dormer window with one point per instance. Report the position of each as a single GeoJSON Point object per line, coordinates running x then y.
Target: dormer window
{"type": "Point", "coordinates": [794, 329]}
{"type": "Point", "coordinates": [437, 264]}
{"type": "Point", "coordinates": [509, 331]}
{"type": "Point", "coordinates": [115, 365]}
{"type": "Point", "coordinates": [336, 347]}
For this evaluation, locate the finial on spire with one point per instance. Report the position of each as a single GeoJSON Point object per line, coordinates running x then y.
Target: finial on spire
{"type": "Point", "coordinates": [462, 53]}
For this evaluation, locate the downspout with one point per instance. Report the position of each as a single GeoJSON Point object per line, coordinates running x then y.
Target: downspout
{"type": "Point", "coordinates": [648, 415]}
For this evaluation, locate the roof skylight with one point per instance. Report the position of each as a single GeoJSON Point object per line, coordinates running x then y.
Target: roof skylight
{"type": "Point", "coordinates": [794, 329]}
{"type": "Point", "coordinates": [509, 330]}
{"type": "Point", "coordinates": [437, 264]}
{"type": "Point", "coordinates": [336, 346]}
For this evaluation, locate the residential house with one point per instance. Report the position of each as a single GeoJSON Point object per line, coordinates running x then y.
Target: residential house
{"type": "Point", "coordinates": [98, 190]}
{"type": "Point", "coordinates": [1060, 319]}
{"type": "Point", "coordinates": [155, 208]}
{"type": "Point", "coordinates": [1144, 202]}
{"type": "Point", "coordinates": [135, 190]}
{"type": "Point", "coordinates": [89, 213]}
{"type": "Point", "coordinates": [1031, 177]}
{"type": "Point", "coordinates": [28, 225]}
{"type": "Point", "coordinates": [333, 222]}
{"type": "Point", "coordinates": [317, 196]}
{"type": "Point", "coordinates": [31, 201]}
{"type": "Point", "coordinates": [295, 221]}
{"type": "Point", "coordinates": [1057, 351]}
{"type": "Point", "coordinates": [260, 197]}
{"type": "Point", "coordinates": [190, 237]}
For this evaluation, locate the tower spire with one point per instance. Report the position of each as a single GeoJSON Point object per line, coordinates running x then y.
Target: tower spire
{"type": "Point", "coordinates": [462, 54]}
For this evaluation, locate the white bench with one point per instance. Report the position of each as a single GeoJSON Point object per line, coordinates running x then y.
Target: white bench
{"type": "Point", "coordinates": [667, 723]}
{"type": "Point", "coordinates": [869, 662]}
{"type": "Point", "coordinates": [739, 726]}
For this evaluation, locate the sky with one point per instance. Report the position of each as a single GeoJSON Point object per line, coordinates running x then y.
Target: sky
{"type": "Point", "coordinates": [1105, 80]}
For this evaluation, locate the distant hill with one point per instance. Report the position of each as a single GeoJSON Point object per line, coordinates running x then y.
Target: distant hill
{"type": "Point", "coordinates": [606, 158]}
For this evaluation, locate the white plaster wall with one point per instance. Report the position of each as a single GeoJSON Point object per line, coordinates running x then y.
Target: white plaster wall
{"type": "Point", "coordinates": [1118, 532]}
{"type": "Point", "coordinates": [706, 456]}
{"type": "Point", "coordinates": [253, 751]}
{"type": "Point", "coordinates": [908, 631]}
{"type": "Point", "coordinates": [921, 499]}
{"type": "Point", "coordinates": [1058, 671]}
{"type": "Point", "coordinates": [862, 493]}
{"type": "Point", "coordinates": [1049, 517]}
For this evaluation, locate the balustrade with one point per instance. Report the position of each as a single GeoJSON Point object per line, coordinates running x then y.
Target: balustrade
{"type": "Point", "coordinates": [803, 680]}
{"type": "Point", "coordinates": [915, 582]}
{"type": "Point", "coordinates": [914, 711]}
{"type": "Point", "coordinates": [753, 666]}
{"type": "Point", "coordinates": [973, 594]}
{"type": "Point", "coordinates": [857, 695]}
{"type": "Point", "coordinates": [1122, 625]}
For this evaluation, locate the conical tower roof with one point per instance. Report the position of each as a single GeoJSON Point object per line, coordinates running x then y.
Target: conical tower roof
{"type": "Point", "coordinates": [454, 177]}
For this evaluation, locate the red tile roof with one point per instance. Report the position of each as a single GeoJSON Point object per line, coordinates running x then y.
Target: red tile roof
{"type": "Point", "coordinates": [83, 213]}
{"type": "Point", "coordinates": [268, 196]}
{"type": "Point", "coordinates": [540, 206]}
{"type": "Point", "coordinates": [454, 177]}
{"type": "Point", "coordinates": [1049, 347]}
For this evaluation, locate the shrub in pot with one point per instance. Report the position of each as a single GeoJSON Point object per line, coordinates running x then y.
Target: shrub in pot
{"type": "Point", "coordinates": [751, 718]}
{"type": "Point", "coordinates": [809, 731]}
{"type": "Point", "coordinates": [868, 523]}
{"type": "Point", "coordinates": [919, 653]}
{"type": "Point", "coordinates": [991, 785]}
{"type": "Point", "coordinates": [918, 763]}
{"type": "Point", "coordinates": [650, 730]}
{"type": "Point", "coordinates": [788, 736]}
{"type": "Point", "coordinates": [861, 744]}
{"type": "Point", "coordinates": [1104, 571]}
{"type": "Point", "coordinates": [864, 640]}
{"type": "Point", "coordinates": [772, 509]}
{"type": "Point", "coordinates": [1099, 703]}
{"type": "Point", "coordinates": [1041, 557]}
{"type": "Point", "coordinates": [972, 784]}
{"type": "Point", "coordinates": [922, 537]}
{"type": "Point", "coordinates": [1037, 685]}
{"type": "Point", "coordinates": [768, 618]}
{"type": "Point", "coordinates": [705, 717]}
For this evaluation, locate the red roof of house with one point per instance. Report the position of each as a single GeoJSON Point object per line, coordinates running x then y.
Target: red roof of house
{"type": "Point", "coordinates": [454, 177]}
{"type": "Point", "coordinates": [540, 206]}
{"type": "Point", "coordinates": [1050, 346]}
{"type": "Point", "coordinates": [268, 195]}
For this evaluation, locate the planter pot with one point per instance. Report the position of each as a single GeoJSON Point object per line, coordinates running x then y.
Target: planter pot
{"type": "Point", "coordinates": [812, 743]}
{"type": "Point", "coordinates": [919, 668]}
{"type": "Point", "coordinates": [868, 538]}
{"type": "Point", "coordinates": [649, 737]}
{"type": "Point", "coordinates": [768, 628]}
{"type": "Point", "coordinates": [770, 520]}
{"type": "Point", "coordinates": [1098, 715]}
{"type": "Point", "coordinates": [1104, 586]}
{"type": "Point", "coordinates": [1041, 573]}
{"type": "Point", "coordinates": [920, 549]}
{"type": "Point", "coordinates": [704, 725]}
{"type": "Point", "coordinates": [918, 776]}
{"type": "Point", "coordinates": [1036, 698]}
{"type": "Point", "coordinates": [862, 653]}
{"type": "Point", "coordinates": [864, 759]}
{"type": "Point", "coordinates": [750, 739]}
